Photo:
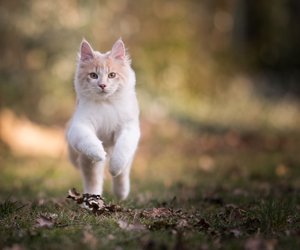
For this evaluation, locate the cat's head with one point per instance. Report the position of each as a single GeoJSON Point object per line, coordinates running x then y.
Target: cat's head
{"type": "Point", "coordinates": [100, 76]}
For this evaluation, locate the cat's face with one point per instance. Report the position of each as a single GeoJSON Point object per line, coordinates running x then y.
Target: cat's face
{"type": "Point", "coordinates": [100, 76]}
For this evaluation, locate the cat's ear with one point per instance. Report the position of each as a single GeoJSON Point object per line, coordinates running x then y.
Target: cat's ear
{"type": "Point", "coordinates": [118, 50]}
{"type": "Point", "coordinates": [86, 51]}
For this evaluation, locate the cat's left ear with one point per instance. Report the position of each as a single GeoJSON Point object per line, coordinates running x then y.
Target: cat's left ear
{"type": "Point", "coordinates": [118, 50]}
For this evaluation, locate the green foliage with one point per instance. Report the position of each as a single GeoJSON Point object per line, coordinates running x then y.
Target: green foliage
{"type": "Point", "coordinates": [186, 54]}
{"type": "Point", "coordinates": [273, 213]}
{"type": "Point", "coordinates": [6, 208]}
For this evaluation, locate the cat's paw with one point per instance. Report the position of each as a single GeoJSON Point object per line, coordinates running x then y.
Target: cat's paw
{"type": "Point", "coordinates": [121, 194]}
{"type": "Point", "coordinates": [96, 153]}
{"type": "Point", "coordinates": [121, 186]}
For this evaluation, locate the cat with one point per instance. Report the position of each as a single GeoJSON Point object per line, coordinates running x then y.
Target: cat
{"type": "Point", "coordinates": [105, 124]}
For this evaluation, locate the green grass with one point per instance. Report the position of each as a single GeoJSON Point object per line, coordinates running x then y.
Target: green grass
{"type": "Point", "coordinates": [218, 197]}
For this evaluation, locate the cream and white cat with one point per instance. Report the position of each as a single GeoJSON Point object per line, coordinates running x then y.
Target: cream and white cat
{"type": "Point", "coordinates": [105, 124]}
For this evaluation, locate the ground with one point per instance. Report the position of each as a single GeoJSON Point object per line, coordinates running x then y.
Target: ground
{"type": "Point", "coordinates": [192, 188]}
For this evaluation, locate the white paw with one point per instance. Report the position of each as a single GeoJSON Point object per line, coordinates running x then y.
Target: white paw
{"type": "Point", "coordinates": [121, 190]}
{"type": "Point", "coordinates": [122, 194]}
{"type": "Point", "coordinates": [96, 153]}
{"type": "Point", "coordinates": [116, 166]}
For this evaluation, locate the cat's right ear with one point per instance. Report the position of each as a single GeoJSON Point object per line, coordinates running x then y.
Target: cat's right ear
{"type": "Point", "coordinates": [86, 51]}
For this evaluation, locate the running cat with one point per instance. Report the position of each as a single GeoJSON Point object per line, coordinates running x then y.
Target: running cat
{"type": "Point", "coordinates": [105, 124]}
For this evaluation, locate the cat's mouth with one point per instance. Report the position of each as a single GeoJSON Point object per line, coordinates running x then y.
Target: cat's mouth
{"type": "Point", "coordinates": [102, 91]}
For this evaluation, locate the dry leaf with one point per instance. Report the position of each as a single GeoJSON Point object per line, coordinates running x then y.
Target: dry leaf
{"type": "Point", "coordinates": [92, 202]}
{"type": "Point", "coordinates": [131, 227]}
{"type": "Point", "coordinates": [74, 194]}
{"type": "Point", "coordinates": [202, 225]}
{"type": "Point", "coordinates": [182, 224]}
{"type": "Point", "coordinates": [45, 221]}
{"type": "Point", "coordinates": [158, 212]}
{"type": "Point", "coordinates": [237, 233]}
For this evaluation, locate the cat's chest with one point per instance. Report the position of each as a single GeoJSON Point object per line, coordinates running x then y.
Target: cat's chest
{"type": "Point", "coordinates": [106, 120]}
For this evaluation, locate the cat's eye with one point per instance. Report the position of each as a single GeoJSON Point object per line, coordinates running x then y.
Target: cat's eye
{"type": "Point", "coordinates": [112, 75]}
{"type": "Point", "coordinates": [93, 75]}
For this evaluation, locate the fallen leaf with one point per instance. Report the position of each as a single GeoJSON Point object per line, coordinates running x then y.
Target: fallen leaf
{"type": "Point", "coordinates": [202, 225]}
{"type": "Point", "coordinates": [44, 221]}
{"type": "Point", "coordinates": [131, 227]}
{"type": "Point", "coordinates": [183, 223]}
{"type": "Point", "coordinates": [157, 212]}
{"type": "Point", "coordinates": [113, 208]}
{"type": "Point", "coordinates": [236, 233]}
{"type": "Point", "coordinates": [74, 194]}
{"type": "Point", "coordinates": [92, 202]}
{"type": "Point", "coordinates": [234, 213]}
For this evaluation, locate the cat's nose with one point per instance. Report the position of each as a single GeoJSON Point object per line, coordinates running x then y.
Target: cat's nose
{"type": "Point", "coordinates": [102, 86]}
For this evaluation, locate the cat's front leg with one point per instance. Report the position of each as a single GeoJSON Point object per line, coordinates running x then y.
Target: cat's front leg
{"type": "Point", "coordinates": [85, 141]}
{"type": "Point", "coordinates": [124, 148]}
{"type": "Point", "coordinates": [92, 173]}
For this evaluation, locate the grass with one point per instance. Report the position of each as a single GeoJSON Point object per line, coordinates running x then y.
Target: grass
{"type": "Point", "coordinates": [224, 190]}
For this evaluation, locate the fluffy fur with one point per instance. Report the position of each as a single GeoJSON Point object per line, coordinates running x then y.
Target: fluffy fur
{"type": "Point", "coordinates": [105, 124]}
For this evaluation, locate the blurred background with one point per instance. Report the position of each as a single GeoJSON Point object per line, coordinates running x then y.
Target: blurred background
{"type": "Point", "coordinates": [212, 77]}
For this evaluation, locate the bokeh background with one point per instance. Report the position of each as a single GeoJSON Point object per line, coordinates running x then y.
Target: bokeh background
{"type": "Point", "coordinates": [217, 81]}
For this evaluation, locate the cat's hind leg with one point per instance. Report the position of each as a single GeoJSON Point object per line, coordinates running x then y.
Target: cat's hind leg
{"type": "Point", "coordinates": [121, 184]}
{"type": "Point", "coordinates": [92, 173]}
{"type": "Point", "coordinates": [73, 156]}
